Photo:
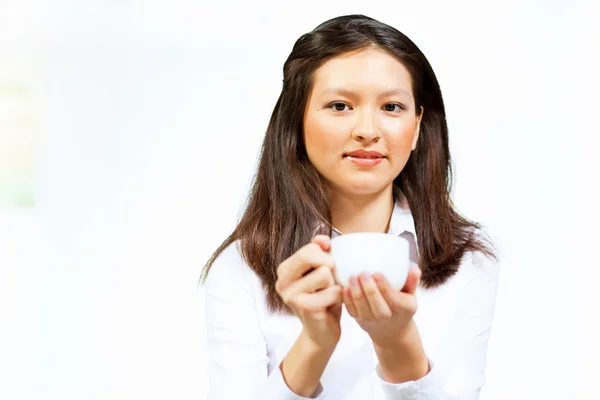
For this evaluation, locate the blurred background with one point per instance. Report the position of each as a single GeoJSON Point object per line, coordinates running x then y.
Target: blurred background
{"type": "Point", "coordinates": [129, 132]}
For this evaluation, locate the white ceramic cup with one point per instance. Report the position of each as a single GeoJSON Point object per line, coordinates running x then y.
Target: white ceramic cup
{"type": "Point", "coordinates": [354, 253]}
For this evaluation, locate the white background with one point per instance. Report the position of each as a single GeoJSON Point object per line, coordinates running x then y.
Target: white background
{"type": "Point", "coordinates": [152, 115]}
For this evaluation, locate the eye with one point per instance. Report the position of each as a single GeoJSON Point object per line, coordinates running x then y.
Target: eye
{"type": "Point", "coordinates": [390, 107]}
{"type": "Point", "coordinates": [338, 106]}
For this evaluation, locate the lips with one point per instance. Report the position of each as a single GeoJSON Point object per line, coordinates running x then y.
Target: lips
{"type": "Point", "coordinates": [367, 154]}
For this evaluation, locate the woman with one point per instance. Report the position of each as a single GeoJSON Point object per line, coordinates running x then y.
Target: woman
{"type": "Point", "coordinates": [357, 142]}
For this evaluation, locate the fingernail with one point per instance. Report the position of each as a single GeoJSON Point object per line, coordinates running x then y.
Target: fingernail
{"type": "Point", "coordinates": [353, 281]}
{"type": "Point", "coordinates": [365, 276]}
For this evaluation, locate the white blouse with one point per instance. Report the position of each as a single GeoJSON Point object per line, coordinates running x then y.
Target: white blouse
{"type": "Point", "coordinates": [246, 343]}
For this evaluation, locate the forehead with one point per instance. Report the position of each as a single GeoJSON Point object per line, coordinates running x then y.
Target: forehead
{"type": "Point", "coordinates": [363, 69]}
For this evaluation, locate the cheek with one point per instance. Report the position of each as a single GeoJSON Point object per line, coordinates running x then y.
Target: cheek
{"type": "Point", "coordinates": [400, 140]}
{"type": "Point", "coordinates": [322, 138]}
{"type": "Point", "coordinates": [404, 142]}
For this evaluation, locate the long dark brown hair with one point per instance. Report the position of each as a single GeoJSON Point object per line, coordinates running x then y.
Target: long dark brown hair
{"type": "Point", "coordinates": [289, 199]}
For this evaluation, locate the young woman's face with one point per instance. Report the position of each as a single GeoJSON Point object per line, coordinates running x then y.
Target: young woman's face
{"type": "Point", "coordinates": [361, 101]}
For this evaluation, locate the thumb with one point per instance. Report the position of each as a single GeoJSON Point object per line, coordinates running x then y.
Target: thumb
{"type": "Point", "coordinates": [336, 310]}
{"type": "Point", "coordinates": [412, 281]}
{"type": "Point", "coordinates": [322, 240]}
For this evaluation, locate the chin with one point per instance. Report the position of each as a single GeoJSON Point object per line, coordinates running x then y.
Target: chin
{"type": "Point", "coordinates": [362, 186]}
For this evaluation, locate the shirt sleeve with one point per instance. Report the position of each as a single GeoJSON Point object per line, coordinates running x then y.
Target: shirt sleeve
{"type": "Point", "coordinates": [458, 373]}
{"type": "Point", "coordinates": [235, 345]}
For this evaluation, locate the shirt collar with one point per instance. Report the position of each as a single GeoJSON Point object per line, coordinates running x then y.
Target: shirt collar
{"type": "Point", "coordinates": [402, 219]}
{"type": "Point", "coordinates": [400, 222]}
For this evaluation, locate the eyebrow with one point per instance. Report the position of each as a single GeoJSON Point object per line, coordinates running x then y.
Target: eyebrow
{"type": "Point", "coordinates": [350, 93]}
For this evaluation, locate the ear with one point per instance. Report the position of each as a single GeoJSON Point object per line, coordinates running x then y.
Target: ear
{"type": "Point", "coordinates": [418, 129]}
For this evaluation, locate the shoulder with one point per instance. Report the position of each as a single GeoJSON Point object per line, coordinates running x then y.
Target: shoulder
{"type": "Point", "coordinates": [476, 263]}
{"type": "Point", "coordinates": [229, 270]}
{"type": "Point", "coordinates": [479, 275]}
{"type": "Point", "coordinates": [230, 256]}
{"type": "Point", "coordinates": [477, 271]}
{"type": "Point", "coordinates": [479, 267]}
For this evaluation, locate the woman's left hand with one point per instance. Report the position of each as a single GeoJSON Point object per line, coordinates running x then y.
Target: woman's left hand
{"type": "Point", "coordinates": [382, 311]}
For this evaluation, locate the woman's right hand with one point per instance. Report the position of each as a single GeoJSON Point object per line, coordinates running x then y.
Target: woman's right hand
{"type": "Point", "coordinates": [305, 283]}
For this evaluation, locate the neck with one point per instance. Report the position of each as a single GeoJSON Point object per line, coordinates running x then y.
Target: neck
{"type": "Point", "coordinates": [362, 213]}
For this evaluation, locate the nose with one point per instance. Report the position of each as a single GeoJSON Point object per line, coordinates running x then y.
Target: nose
{"type": "Point", "coordinates": [366, 127]}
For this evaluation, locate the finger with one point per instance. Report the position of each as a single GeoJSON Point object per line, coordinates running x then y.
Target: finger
{"type": "Point", "coordinates": [363, 310]}
{"type": "Point", "coordinates": [322, 240]}
{"type": "Point", "coordinates": [320, 278]}
{"type": "Point", "coordinates": [320, 300]}
{"type": "Point", "coordinates": [392, 296]}
{"type": "Point", "coordinates": [377, 304]}
{"type": "Point", "coordinates": [412, 281]}
{"type": "Point", "coordinates": [305, 259]}
{"type": "Point", "coordinates": [350, 307]}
